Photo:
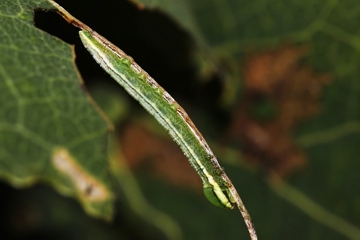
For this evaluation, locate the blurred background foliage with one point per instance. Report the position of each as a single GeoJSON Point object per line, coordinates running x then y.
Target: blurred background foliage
{"type": "Point", "coordinates": [272, 85]}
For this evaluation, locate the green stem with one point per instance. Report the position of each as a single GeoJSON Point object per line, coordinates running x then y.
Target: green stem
{"type": "Point", "coordinates": [312, 209]}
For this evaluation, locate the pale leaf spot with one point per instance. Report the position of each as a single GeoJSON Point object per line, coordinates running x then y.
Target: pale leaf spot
{"type": "Point", "coordinates": [87, 186]}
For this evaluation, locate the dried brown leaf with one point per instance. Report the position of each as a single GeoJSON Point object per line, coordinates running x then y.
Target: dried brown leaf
{"type": "Point", "coordinates": [279, 77]}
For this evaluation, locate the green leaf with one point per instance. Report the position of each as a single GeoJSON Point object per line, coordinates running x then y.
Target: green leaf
{"type": "Point", "coordinates": [50, 130]}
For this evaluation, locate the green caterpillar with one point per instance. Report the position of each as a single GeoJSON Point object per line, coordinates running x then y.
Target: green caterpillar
{"type": "Point", "coordinates": [218, 188]}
